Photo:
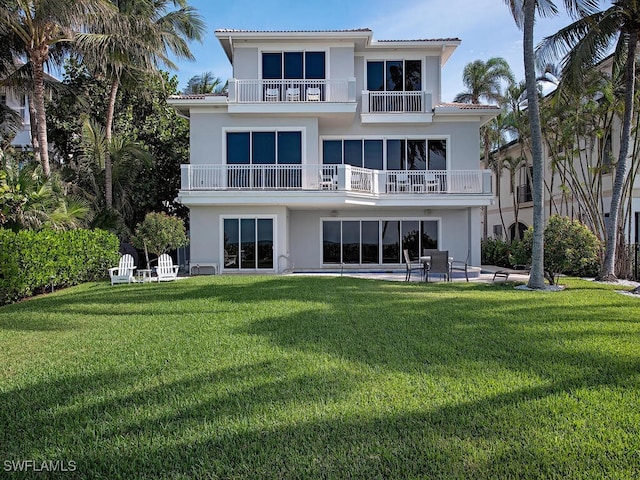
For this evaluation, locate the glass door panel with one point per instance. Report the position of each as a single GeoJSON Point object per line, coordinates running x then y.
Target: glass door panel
{"type": "Point", "coordinates": [391, 241]}
{"type": "Point", "coordinates": [411, 238]}
{"type": "Point", "coordinates": [247, 243]}
{"type": "Point", "coordinates": [265, 243]}
{"type": "Point", "coordinates": [231, 243]}
{"type": "Point", "coordinates": [351, 242]}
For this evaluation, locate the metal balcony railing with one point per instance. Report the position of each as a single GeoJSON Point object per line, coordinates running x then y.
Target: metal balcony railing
{"type": "Point", "coordinates": [276, 91]}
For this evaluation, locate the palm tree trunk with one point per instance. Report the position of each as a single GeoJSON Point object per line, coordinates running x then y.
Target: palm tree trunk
{"type": "Point", "coordinates": [41, 118]}
{"type": "Point", "coordinates": [33, 125]}
{"type": "Point", "coordinates": [108, 179]}
{"type": "Point", "coordinates": [608, 266]}
{"type": "Point", "coordinates": [536, 278]}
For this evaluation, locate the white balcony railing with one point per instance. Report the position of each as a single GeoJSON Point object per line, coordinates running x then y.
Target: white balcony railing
{"type": "Point", "coordinates": [334, 178]}
{"type": "Point", "coordinates": [396, 102]}
{"type": "Point", "coordinates": [269, 91]}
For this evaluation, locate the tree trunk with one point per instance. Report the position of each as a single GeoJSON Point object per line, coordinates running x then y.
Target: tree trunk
{"type": "Point", "coordinates": [37, 59]}
{"type": "Point", "coordinates": [608, 266]}
{"type": "Point", "coordinates": [33, 125]}
{"type": "Point", "coordinates": [108, 179]}
{"type": "Point", "coordinates": [536, 278]}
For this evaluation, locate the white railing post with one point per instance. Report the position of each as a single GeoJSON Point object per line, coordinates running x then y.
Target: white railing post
{"type": "Point", "coordinates": [232, 96]}
{"type": "Point", "coordinates": [365, 101]}
{"type": "Point", "coordinates": [351, 90]}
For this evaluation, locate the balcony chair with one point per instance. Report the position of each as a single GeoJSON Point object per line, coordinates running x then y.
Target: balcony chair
{"type": "Point", "coordinates": [272, 95]}
{"type": "Point", "coordinates": [123, 273]}
{"type": "Point", "coordinates": [403, 183]}
{"type": "Point", "coordinates": [328, 180]}
{"type": "Point", "coordinates": [431, 182]}
{"type": "Point", "coordinates": [313, 94]}
{"type": "Point", "coordinates": [411, 266]}
{"type": "Point", "coordinates": [439, 264]}
{"type": "Point", "coordinates": [293, 94]}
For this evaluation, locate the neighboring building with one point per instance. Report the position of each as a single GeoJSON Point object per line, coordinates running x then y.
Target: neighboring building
{"type": "Point", "coordinates": [332, 149]}
{"type": "Point", "coordinates": [595, 154]}
{"type": "Point", "coordinates": [18, 102]}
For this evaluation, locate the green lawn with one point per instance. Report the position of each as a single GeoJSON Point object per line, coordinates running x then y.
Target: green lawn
{"type": "Point", "coordinates": [316, 377]}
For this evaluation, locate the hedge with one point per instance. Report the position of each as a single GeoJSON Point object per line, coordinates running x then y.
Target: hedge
{"type": "Point", "coordinates": [29, 259]}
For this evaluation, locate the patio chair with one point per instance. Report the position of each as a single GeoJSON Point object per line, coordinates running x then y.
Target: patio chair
{"type": "Point", "coordinates": [123, 273]}
{"type": "Point", "coordinates": [272, 95]}
{"type": "Point", "coordinates": [166, 270]}
{"type": "Point", "coordinates": [328, 180]}
{"type": "Point", "coordinates": [462, 266]}
{"type": "Point", "coordinates": [439, 264]}
{"type": "Point", "coordinates": [411, 266]}
{"type": "Point", "coordinates": [313, 94]}
{"type": "Point", "coordinates": [293, 94]}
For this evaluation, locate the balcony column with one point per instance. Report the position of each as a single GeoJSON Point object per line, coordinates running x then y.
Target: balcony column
{"type": "Point", "coordinates": [351, 90]}
{"type": "Point", "coordinates": [365, 101]}
{"type": "Point", "coordinates": [232, 96]}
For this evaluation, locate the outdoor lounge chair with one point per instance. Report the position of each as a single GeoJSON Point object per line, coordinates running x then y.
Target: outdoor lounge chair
{"type": "Point", "coordinates": [439, 264]}
{"type": "Point", "coordinates": [411, 266]}
{"type": "Point", "coordinates": [459, 265]}
{"type": "Point", "coordinates": [123, 273]}
{"type": "Point", "coordinates": [166, 270]}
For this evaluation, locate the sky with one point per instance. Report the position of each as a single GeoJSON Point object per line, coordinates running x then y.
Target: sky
{"type": "Point", "coordinates": [485, 27]}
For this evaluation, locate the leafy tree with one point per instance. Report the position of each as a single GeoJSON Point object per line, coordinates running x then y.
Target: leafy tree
{"type": "Point", "coordinates": [524, 12]}
{"type": "Point", "coordinates": [206, 82]}
{"type": "Point", "coordinates": [145, 35]}
{"type": "Point", "coordinates": [159, 233]}
{"type": "Point", "coordinates": [38, 27]}
{"type": "Point", "coordinates": [582, 45]}
{"type": "Point", "coordinates": [31, 200]}
{"type": "Point", "coordinates": [570, 248]}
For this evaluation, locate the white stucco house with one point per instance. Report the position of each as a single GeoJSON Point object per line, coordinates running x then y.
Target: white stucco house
{"type": "Point", "coordinates": [18, 102]}
{"type": "Point", "coordinates": [331, 150]}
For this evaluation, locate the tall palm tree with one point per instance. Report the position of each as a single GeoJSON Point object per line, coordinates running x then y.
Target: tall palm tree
{"type": "Point", "coordinates": [206, 82]}
{"type": "Point", "coordinates": [582, 45]}
{"type": "Point", "coordinates": [524, 13]}
{"type": "Point", "coordinates": [40, 26]}
{"type": "Point", "coordinates": [483, 81]}
{"type": "Point", "coordinates": [146, 34]}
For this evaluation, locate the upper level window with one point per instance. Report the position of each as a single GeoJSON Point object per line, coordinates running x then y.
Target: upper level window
{"type": "Point", "coordinates": [264, 148]}
{"type": "Point", "coordinates": [401, 154]}
{"type": "Point", "coordinates": [394, 75]}
{"type": "Point", "coordinates": [293, 65]}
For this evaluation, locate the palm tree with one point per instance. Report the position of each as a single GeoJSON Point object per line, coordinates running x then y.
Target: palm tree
{"type": "Point", "coordinates": [206, 82]}
{"type": "Point", "coordinates": [142, 39]}
{"type": "Point", "coordinates": [40, 26]}
{"type": "Point", "coordinates": [524, 12]}
{"type": "Point", "coordinates": [582, 45]}
{"type": "Point", "coordinates": [483, 81]}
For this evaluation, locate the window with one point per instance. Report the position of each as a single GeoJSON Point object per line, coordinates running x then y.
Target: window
{"type": "Point", "coordinates": [260, 148]}
{"type": "Point", "coordinates": [293, 65]}
{"type": "Point", "coordinates": [401, 154]}
{"type": "Point", "coordinates": [376, 241]}
{"type": "Point", "coordinates": [394, 75]}
{"type": "Point", "coordinates": [250, 240]}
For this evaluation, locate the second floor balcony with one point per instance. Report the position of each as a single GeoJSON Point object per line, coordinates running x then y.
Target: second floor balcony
{"type": "Point", "coordinates": [334, 178]}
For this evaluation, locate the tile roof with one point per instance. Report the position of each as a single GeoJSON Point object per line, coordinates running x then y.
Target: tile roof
{"type": "Point", "coordinates": [196, 96]}
{"type": "Point", "coordinates": [467, 106]}
{"type": "Point", "coordinates": [452, 39]}
{"type": "Point", "coordinates": [233, 30]}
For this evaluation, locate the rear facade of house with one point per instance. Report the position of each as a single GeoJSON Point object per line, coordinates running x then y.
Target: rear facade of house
{"type": "Point", "coordinates": [331, 150]}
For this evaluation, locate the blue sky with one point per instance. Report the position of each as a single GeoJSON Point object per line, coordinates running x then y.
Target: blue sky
{"type": "Point", "coordinates": [484, 26]}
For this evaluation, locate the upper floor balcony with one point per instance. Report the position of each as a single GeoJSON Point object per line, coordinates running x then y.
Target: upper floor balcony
{"type": "Point", "coordinates": [397, 107]}
{"type": "Point", "coordinates": [292, 96]}
{"type": "Point", "coordinates": [336, 179]}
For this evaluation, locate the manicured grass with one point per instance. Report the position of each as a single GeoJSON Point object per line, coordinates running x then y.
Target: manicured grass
{"type": "Point", "coordinates": [316, 377]}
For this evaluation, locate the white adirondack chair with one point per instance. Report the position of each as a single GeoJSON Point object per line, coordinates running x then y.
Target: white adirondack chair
{"type": "Point", "coordinates": [123, 273]}
{"type": "Point", "coordinates": [166, 270]}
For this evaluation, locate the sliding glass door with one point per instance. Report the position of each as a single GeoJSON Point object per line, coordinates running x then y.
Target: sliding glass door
{"type": "Point", "coordinates": [248, 243]}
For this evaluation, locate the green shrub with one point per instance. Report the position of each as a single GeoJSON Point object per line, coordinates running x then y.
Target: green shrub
{"type": "Point", "coordinates": [495, 252]}
{"type": "Point", "coordinates": [159, 233]}
{"type": "Point", "coordinates": [29, 259]}
{"type": "Point", "coordinates": [570, 248]}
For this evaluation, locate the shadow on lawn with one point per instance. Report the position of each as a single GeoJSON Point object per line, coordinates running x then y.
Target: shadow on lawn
{"type": "Point", "coordinates": [267, 420]}
{"type": "Point", "coordinates": [212, 425]}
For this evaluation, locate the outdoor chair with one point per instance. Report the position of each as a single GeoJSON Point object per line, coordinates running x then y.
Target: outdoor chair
{"type": "Point", "coordinates": [272, 95]}
{"type": "Point", "coordinates": [229, 259]}
{"type": "Point", "coordinates": [123, 273]}
{"type": "Point", "coordinates": [411, 266]}
{"type": "Point", "coordinates": [166, 270]}
{"type": "Point", "coordinates": [462, 266]}
{"type": "Point", "coordinates": [293, 94]}
{"type": "Point", "coordinates": [313, 94]}
{"type": "Point", "coordinates": [439, 264]}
